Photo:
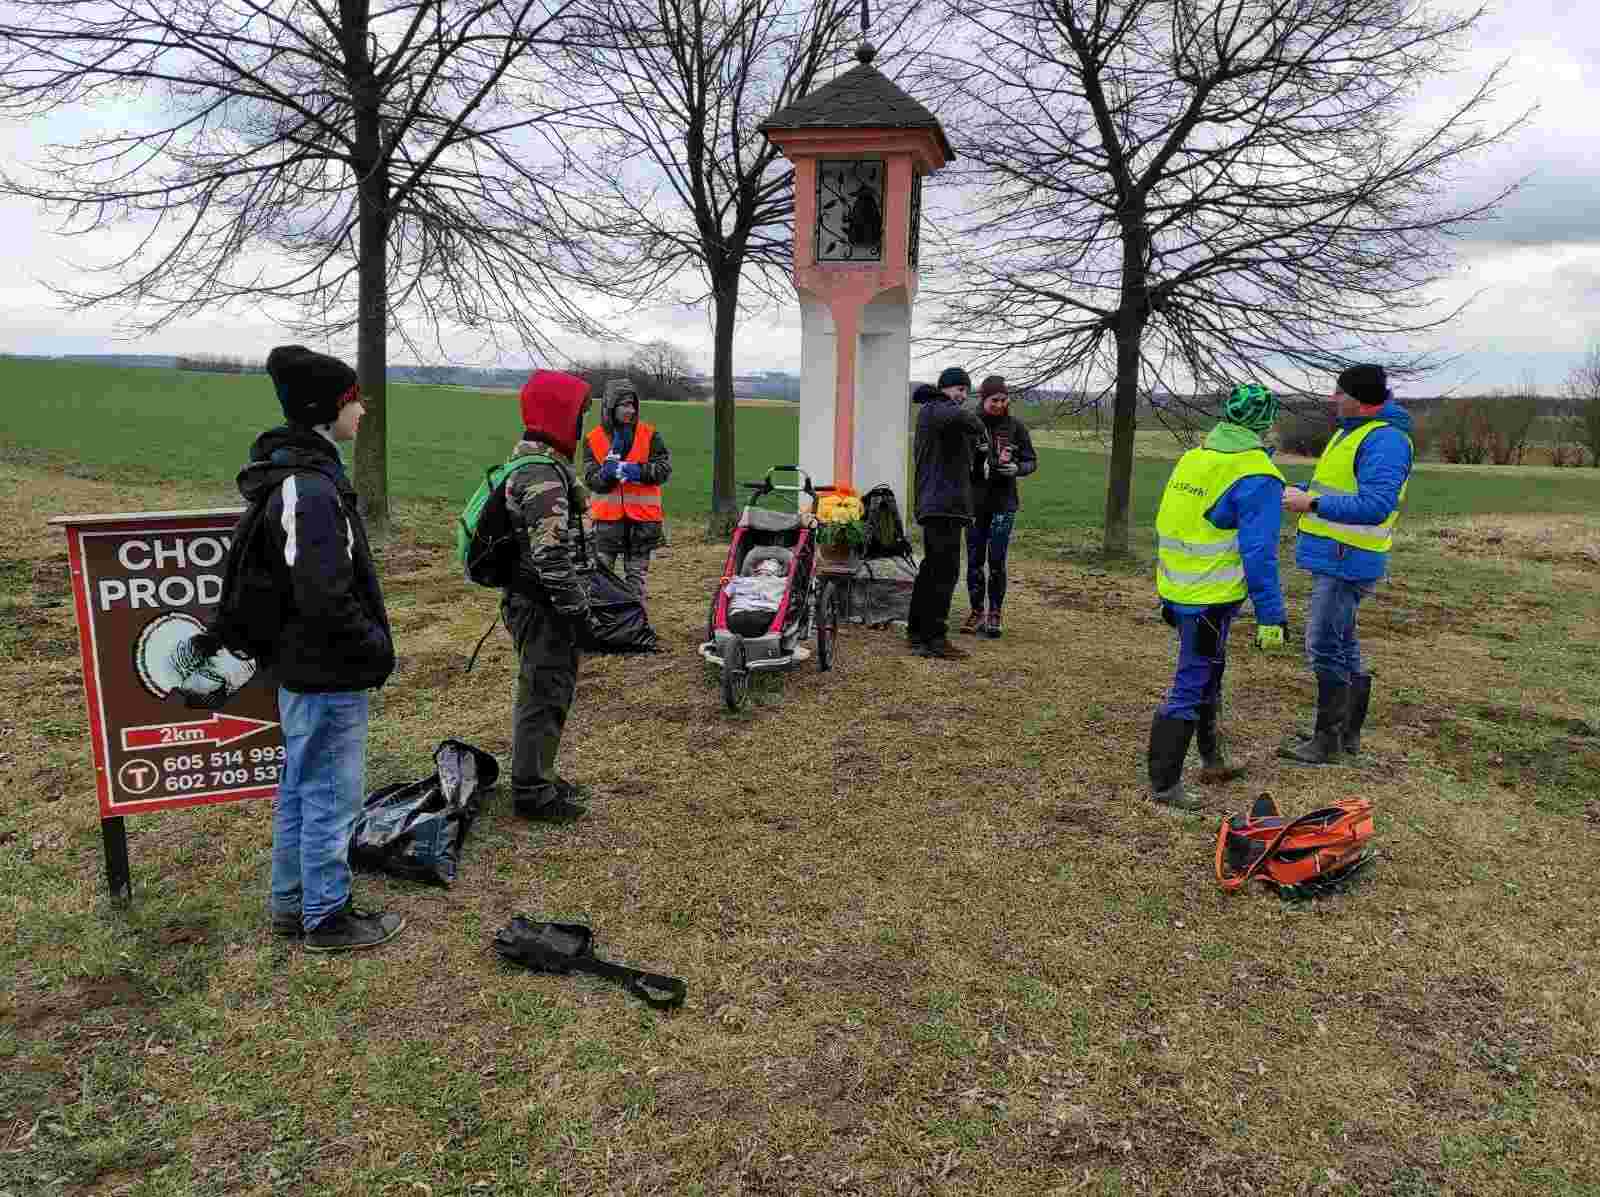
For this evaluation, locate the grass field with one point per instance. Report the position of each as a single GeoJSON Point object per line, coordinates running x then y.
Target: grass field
{"type": "Point", "coordinates": [935, 940]}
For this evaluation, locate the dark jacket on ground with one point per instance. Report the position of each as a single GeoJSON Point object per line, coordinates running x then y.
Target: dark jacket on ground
{"type": "Point", "coordinates": [625, 535]}
{"type": "Point", "coordinates": [950, 438]}
{"type": "Point", "coordinates": [336, 634]}
{"type": "Point", "coordinates": [998, 494]}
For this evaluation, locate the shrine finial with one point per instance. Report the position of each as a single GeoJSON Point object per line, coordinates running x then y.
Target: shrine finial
{"type": "Point", "coordinates": [867, 51]}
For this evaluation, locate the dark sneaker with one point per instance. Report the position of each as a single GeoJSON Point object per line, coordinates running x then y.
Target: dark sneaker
{"type": "Point", "coordinates": [973, 624]}
{"type": "Point", "coordinates": [289, 926]}
{"type": "Point", "coordinates": [942, 650]}
{"type": "Point", "coordinates": [352, 930]}
{"type": "Point", "coordinates": [557, 807]}
{"type": "Point", "coordinates": [1175, 798]}
{"type": "Point", "coordinates": [991, 626]}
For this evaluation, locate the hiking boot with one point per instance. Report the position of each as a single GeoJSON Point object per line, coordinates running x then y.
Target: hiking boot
{"type": "Point", "coordinates": [1215, 767]}
{"type": "Point", "coordinates": [1169, 744]}
{"type": "Point", "coordinates": [991, 626]}
{"type": "Point", "coordinates": [351, 930]}
{"type": "Point", "coordinates": [1324, 744]}
{"type": "Point", "coordinates": [1356, 715]}
{"type": "Point", "coordinates": [972, 624]}
{"type": "Point", "coordinates": [292, 926]}
{"type": "Point", "coordinates": [941, 649]}
{"type": "Point", "coordinates": [556, 803]}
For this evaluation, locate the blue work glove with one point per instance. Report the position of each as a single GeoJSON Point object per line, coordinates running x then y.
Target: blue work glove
{"type": "Point", "coordinates": [610, 470]}
{"type": "Point", "coordinates": [630, 471]}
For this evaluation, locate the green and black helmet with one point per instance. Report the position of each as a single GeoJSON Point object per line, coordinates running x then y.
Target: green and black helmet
{"type": "Point", "coordinates": [1251, 405]}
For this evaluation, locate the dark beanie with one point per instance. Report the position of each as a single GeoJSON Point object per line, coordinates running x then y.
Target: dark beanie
{"type": "Point", "coordinates": [993, 385]}
{"type": "Point", "coordinates": [1367, 385]}
{"type": "Point", "coordinates": [310, 384]}
{"type": "Point", "coordinates": [955, 376]}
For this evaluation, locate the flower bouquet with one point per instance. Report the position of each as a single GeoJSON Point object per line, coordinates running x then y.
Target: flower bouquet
{"type": "Point", "coordinates": [841, 528]}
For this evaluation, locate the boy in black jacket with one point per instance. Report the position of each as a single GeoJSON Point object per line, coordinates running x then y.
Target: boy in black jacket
{"type": "Point", "coordinates": [950, 442]}
{"type": "Point", "coordinates": [334, 648]}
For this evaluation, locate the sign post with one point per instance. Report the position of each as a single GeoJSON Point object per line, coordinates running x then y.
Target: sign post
{"type": "Point", "coordinates": [144, 583]}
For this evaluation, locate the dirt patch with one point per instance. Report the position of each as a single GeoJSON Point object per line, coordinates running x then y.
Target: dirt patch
{"type": "Point", "coordinates": [96, 993]}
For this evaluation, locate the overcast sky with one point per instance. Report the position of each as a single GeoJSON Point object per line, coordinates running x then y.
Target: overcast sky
{"type": "Point", "coordinates": [1536, 270]}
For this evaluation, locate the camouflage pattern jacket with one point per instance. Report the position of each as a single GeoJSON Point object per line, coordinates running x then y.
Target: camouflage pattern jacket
{"type": "Point", "coordinates": [546, 506]}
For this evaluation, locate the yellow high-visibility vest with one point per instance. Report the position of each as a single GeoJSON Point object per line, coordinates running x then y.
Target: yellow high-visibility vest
{"type": "Point", "coordinates": [1336, 475]}
{"type": "Point", "coordinates": [1197, 563]}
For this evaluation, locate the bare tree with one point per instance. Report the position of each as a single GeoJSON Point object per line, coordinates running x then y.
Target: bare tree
{"type": "Point", "coordinates": [1583, 388]}
{"type": "Point", "coordinates": [664, 366]}
{"type": "Point", "coordinates": [1179, 194]}
{"type": "Point", "coordinates": [364, 164]}
{"type": "Point", "coordinates": [693, 200]}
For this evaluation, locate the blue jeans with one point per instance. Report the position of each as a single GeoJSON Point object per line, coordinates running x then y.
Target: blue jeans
{"type": "Point", "coordinates": [989, 538]}
{"type": "Point", "coordinates": [1202, 657]}
{"type": "Point", "coordinates": [319, 796]}
{"type": "Point", "coordinates": [1331, 645]}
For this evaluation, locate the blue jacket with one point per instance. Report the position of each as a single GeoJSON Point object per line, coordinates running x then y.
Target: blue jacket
{"type": "Point", "coordinates": [1254, 506]}
{"type": "Point", "coordinates": [950, 438]}
{"type": "Point", "coordinates": [1383, 463]}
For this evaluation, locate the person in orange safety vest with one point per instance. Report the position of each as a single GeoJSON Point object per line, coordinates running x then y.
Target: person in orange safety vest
{"type": "Point", "coordinates": [625, 464]}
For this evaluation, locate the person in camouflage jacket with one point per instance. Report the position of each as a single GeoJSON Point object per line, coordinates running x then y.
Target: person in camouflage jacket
{"type": "Point", "coordinates": [547, 605]}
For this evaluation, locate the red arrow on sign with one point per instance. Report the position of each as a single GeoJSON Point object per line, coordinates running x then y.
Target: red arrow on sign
{"type": "Point", "coordinates": [219, 730]}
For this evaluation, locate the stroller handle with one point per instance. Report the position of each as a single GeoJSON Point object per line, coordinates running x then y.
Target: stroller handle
{"type": "Point", "coordinates": [767, 485]}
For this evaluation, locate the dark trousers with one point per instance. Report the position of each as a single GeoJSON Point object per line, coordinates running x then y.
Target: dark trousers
{"type": "Point", "coordinates": [988, 541]}
{"type": "Point", "coordinates": [547, 682]}
{"type": "Point", "coordinates": [929, 620]}
{"type": "Point", "coordinates": [1202, 658]}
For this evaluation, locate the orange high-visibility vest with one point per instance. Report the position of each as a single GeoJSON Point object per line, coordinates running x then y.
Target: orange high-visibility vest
{"type": "Point", "coordinates": [636, 501]}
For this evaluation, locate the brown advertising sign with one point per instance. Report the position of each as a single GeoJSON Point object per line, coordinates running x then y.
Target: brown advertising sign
{"type": "Point", "coordinates": [144, 584]}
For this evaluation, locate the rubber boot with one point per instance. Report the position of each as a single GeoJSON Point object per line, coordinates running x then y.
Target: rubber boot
{"type": "Point", "coordinates": [1169, 744]}
{"type": "Point", "coordinates": [1214, 761]}
{"type": "Point", "coordinates": [1360, 699]}
{"type": "Point", "coordinates": [1324, 745]}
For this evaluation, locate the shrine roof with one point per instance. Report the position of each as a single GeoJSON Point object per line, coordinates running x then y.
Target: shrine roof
{"type": "Point", "coordinates": [863, 97]}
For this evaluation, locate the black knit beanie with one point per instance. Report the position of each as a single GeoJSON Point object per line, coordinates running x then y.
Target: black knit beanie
{"type": "Point", "coordinates": [311, 385]}
{"type": "Point", "coordinates": [1367, 385]}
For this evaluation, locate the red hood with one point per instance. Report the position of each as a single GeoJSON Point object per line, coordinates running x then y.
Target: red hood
{"type": "Point", "coordinates": [552, 406]}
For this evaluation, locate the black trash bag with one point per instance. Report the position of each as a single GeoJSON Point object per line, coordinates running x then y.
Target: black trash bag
{"type": "Point", "coordinates": [617, 620]}
{"type": "Point", "coordinates": [415, 829]}
{"type": "Point", "coordinates": [569, 948]}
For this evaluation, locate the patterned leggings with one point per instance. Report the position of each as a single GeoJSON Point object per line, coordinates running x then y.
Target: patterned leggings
{"type": "Point", "coordinates": [988, 538]}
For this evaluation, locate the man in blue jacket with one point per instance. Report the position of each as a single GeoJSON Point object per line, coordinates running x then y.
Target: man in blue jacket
{"type": "Point", "coordinates": [1217, 542]}
{"type": "Point", "coordinates": [1347, 518]}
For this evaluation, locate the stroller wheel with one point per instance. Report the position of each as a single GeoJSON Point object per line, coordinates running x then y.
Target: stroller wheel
{"type": "Point", "coordinates": [735, 675]}
{"type": "Point", "coordinates": [829, 600]}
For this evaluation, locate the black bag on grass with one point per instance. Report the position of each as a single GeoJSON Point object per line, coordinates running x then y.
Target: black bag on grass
{"type": "Point", "coordinates": [569, 948]}
{"type": "Point", "coordinates": [617, 620]}
{"type": "Point", "coordinates": [415, 829]}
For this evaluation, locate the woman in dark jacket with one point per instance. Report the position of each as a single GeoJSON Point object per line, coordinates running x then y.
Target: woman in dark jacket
{"type": "Point", "coordinates": [1011, 456]}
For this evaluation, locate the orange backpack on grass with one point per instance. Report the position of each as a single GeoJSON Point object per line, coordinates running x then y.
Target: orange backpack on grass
{"type": "Point", "coordinates": [1301, 857]}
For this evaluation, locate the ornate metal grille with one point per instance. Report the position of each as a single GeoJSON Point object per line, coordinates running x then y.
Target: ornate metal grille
{"type": "Point", "coordinates": [915, 243]}
{"type": "Point", "coordinates": [849, 210]}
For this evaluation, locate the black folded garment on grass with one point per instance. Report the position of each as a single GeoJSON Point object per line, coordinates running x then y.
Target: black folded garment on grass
{"type": "Point", "coordinates": [569, 948]}
{"type": "Point", "coordinates": [415, 829]}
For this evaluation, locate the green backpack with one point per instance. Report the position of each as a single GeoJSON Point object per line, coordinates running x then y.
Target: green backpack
{"type": "Point", "coordinates": [486, 541]}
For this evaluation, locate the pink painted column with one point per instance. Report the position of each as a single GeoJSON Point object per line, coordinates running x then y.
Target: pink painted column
{"type": "Point", "coordinates": [846, 324]}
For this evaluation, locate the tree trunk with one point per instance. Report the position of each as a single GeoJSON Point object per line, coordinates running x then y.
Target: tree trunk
{"type": "Point", "coordinates": [1124, 422]}
{"type": "Point", "coordinates": [724, 500]}
{"type": "Point", "coordinates": [1125, 409]}
{"type": "Point", "coordinates": [372, 267]}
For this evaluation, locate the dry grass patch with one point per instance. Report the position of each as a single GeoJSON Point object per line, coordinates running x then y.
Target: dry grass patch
{"type": "Point", "coordinates": [935, 940]}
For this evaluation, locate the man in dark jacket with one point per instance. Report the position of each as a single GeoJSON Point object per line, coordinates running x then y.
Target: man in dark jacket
{"type": "Point", "coordinates": [625, 465]}
{"type": "Point", "coordinates": [546, 607]}
{"type": "Point", "coordinates": [335, 647]}
{"type": "Point", "coordinates": [1347, 519]}
{"type": "Point", "coordinates": [949, 440]}
{"type": "Point", "coordinates": [1011, 456]}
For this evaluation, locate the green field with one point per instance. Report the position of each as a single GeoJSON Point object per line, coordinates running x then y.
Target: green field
{"type": "Point", "coordinates": [168, 424]}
